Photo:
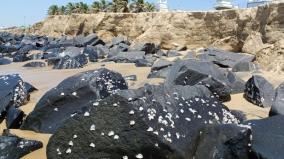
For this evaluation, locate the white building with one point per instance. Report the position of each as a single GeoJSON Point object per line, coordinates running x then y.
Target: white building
{"type": "Point", "coordinates": [223, 4]}
{"type": "Point", "coordinates": [254, 3]}
{"type": "Point", "coordinates": [163, 5]}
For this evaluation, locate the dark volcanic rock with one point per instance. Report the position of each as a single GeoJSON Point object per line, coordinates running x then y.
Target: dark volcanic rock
{"type": "Point", "coordinates": [7, 48]}
{"type": "Point", "coordinates": [267, 138]}
{"type": "Point", "coordinates": [14, 118]}
{"type": "Point", "coordinates": [259, 91]}
{"type": "Point", "coordinates": [278, 104]}
{"type": "Point", "coordinates": [70, 97]}
{"type": "Point", "coordinates": [5, 61]}
{"type": "Point", "coordinates": [173, 53]}
{"type": "Point", "coordinates": [160, 69]}
{"type": "Point", "coordinates": [13, 147]}
{"type": "Point", "coordinates": [13, 92]}
{"type": "Point", "coordinates": [162, 73]}
{"type": "Point", "coordinates": [244, 67]}
{"type": "Point", "coordinates": [160, 64]}
{"type": "Point", "coordinates": [91, 53]}
{"type": "Point", "coordinates": [192, 72]}
{"type": "Point", "coordinates": [148, 48]}
{"type": "Point", "coordinates": [148, 126]}
{"type": "Point", "coordinates": [224, 58]}
{"type": "Point", "coordinates": [35, 64]}
{"type": "Point", "coordinates": [127, 57]}
{"type": "Point", "coordinates": [68, 62]}
{"type": "Point", "coordinates": [224, 141]}
{"type": "Point", "coordinates": [21, 55]}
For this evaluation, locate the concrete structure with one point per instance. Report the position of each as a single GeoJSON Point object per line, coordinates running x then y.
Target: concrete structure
{"type": "Point", "coordinates": [163, 5]}
{"type": "Point", "coordinates": [223, 4]}
{"type": "Point", "coordinates": [254, 3]}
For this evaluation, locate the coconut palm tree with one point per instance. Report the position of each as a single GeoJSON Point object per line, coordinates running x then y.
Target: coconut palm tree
{"type": "Point", "coordinates": [120, 6]}
{"type": "Point", "coordinates": [53, 10]}
{"type": "Point", "coordinates": [70, 7]}
{"type": "Point", "coordinates": [62, 10]}
{"type": "Point", "coordinates": [149, 7]}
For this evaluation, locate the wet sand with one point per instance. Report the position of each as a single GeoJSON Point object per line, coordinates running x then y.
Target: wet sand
{"type": "Point", "coordinates": [47, 78]}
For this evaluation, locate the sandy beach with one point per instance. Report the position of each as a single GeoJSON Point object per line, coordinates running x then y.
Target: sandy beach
{"type": "Point", "coordinates": [46, 78]}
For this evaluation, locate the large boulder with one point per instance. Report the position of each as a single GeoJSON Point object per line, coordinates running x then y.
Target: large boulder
{"type": "Point", "coordinates": [224, 58]}
{"type": "Point", "coordinates": [227, 141]}
{"type": "Point", "coordinates": [4, 61]}
{"type": "Point", "coordinates": [70, 97]}
{"type": "Point", "coordinates": [160, 69]}
{"type": "Point", "coordinates": [146, 126]}
{"type": "Point", "coordinates": [245, 67]}
{"type": "Point", "coordinates": [127, 57]}
{"type": "Point", "coordinates": [278, 104]}
{"type": "Point", "coordinates": [193, 72]}
{"type": "Point", "coordinates": [148, 48]}
{"type": "Point", "coordinates": [71, 59]}
{"type": "Point", "coordinates": [21, 54]}
{"type": "Point", "coordinates": [259, 91]}
{"type": "Point", "coordinates": [13, 92]}
{"type": "Point", "coordinates": [91, 53]}
{"type": "Point", "coordinates": [13, 147]}
{"type": "Point", "coordinates": [14, 118]}
{"type": "Point", "coordinates": [267, 138]}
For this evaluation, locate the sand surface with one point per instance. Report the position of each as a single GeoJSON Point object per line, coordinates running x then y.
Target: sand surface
{"type": "Point", "coordinates": [47, 78]}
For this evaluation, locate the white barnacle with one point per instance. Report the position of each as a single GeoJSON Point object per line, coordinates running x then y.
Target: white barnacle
{"type": "Point", "coordinates": [124, 157]}
{"type": "Point", "coordinates": [55, 109]}
{"type": "Point", "coordinates": [70, 143]}
{"type": "Point", "coordinates": [68, 151]}
{"type": "Point", "coordinates": [197, 99]}
{"type": "Point", "coordinates": [93, 127]}
{"type": "Point", "coordinates": [74, 93]}
{"type": "Point", "coordinates": [58, 151]}
{"type": "Point", "coordinates": [111, 133]}
{"type": "Point", "coordinates": [141, 108]}
{"type": "Point", "coordinates": [187, 119]}
{"type": "Point", "coordinates": [132, 122]}
{"type": "Point", "coordinates": [92, 145]}
{"type": "Point", "coordinates": [115, 104]}
{"type": "Point", "coordinates": [75, 136]}
{"type": "Point", "coordinates": [62, 93]}
{"type": "Point", "coordinates": [150, 129]}
{"type": "Point", "coordinates": [116, 137]}
{"type": "Point", "coordinates": [199, 116]}
{"type": "Point", "coordinates": [96, 104]}
{"type": "Point", "coordinates": [139, 156]}
{"type": "Point", "coordinates": [131, 112]}
{"type": "Point", "coordinates": [182, 111]}
{"type": "Point", "coordinates": [86, 114]}
{"type": "Point", "coordinates": [156, 132]}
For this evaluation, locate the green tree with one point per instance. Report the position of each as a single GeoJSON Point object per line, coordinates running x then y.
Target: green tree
{"type": "Point", "coordinates": [141, 6]}
{"type": "Point", "coordinates": [62, 10]}
{"type": "Point", "coordinates": [120, 6]}
{"type": "Point", "coordinates": [70, 8]}
{"type": "Point", "coordinates": [53, 10]}
{"type": "Point", "coordinates": [149, 7]}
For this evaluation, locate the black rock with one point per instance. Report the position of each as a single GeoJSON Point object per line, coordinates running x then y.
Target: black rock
{"type": "Point", "coordinates": [14, 118]}
{"type": "Point", "coordinates": [148, 48]}
{"type": "Point", "coordinates": [5, 61]}
{"type": "Point", "coordinates": [192, 72]}
{"type": "Point", "coordinates": [278, 104]}
{"type": "Point", "coordinates": [160, 64]}
{"type": "Point", "coordinates": [161, 53]}
{"type": "Point", "coordinates": [91, 39]}
{"type": "Point", "coordinates": [70, 97]}
{"type": "Point", "coordinates": [35, 64]}
{"type": "Point", "coordinates": [127, 57]}
{"type": "Point", "coordinates": [30, 88]}
{"type": "Point", "coordinates": [244, 67]}
{"type": "Point", "coordinates": [173, 53]}
{"type": "Point", "coordinates": [13, 92]}
{"type": "Point", "coordinates": [118, 40]}
{"type": "Point", "coordinates": [225, 141]}
{"type": "Point", "coordinates": [13, 147]}
{"type": "Point", "coordinates": [259, 91]}
{"type": "Point", "coordinates": [7, 48]}
{"type": "Point", "coordinates": [91, 53]}
{"type": "Point", "coordinates": [68, 62]}
{"type": "Point", "coordinates": [267, 138]}
{"type": "Point", "coordinates": [21, 55]}
{"type": "Point", "coordinates": [102, 51]}
{"type": "Point", "coordinates": [162, 73]}
{"type": "Point", "coordinates": [150, 124]}
{"type": "Point", "coordinates": [225, 58]}
{"type": "Point", "coordinates": [143, 63]}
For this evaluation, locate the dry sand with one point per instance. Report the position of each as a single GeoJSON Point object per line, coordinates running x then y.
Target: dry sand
{"type": "Point", "coordinates": [47, 78]}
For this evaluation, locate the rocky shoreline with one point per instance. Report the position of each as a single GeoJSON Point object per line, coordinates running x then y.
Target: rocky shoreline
{"type": "Point", "coordinates": [95, 113]}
